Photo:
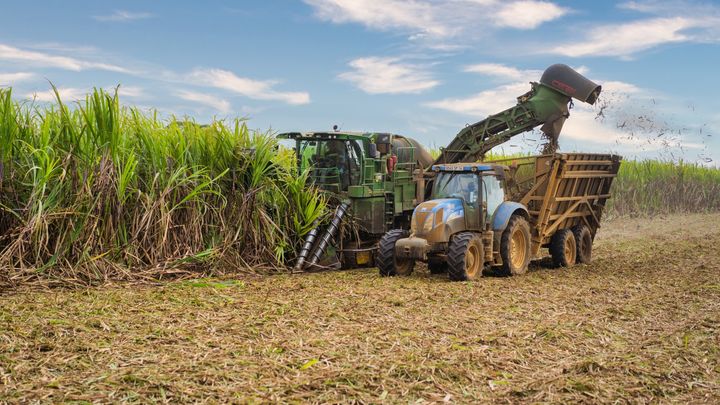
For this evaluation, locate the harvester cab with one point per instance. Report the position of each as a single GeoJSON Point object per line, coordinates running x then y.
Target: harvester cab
{"type": "Point", "coordinates": [375, 179]}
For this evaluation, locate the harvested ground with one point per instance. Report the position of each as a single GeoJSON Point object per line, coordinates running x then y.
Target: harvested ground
{"type": "Point", "coordinates": [639, 324]}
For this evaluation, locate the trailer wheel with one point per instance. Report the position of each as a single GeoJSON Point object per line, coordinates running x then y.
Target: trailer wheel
{"type": "Point", "coordinates": [387, 263]}
{"type": "Point", "coordinates": [584, 242]}
{"type": "Point", "coordinates": [437, 265]}
{"type": "Point", "coordinates": [515, 246]}
{"type": "Point", "coordinates": [465, 257]}
{"type": "Point", "coordinates": [563, 248]}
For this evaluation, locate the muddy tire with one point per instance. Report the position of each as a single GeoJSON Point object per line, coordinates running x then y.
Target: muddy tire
{"type": "Point", "coordinates": [437, 265]}
{"type": "Point", "coordinates": [515, 247]}
{"type": "Point", "coordinates": [465, 257]}
{"type": "Point", "coordinates": [584, 242]}
{"type": "Point", "coordinates": [385, 259]}
{"type": "Point", "coordinates": [563, 248]}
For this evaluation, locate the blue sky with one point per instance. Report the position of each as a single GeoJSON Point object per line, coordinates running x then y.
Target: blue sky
{"type": "Point", "coordinates": [423, 68]}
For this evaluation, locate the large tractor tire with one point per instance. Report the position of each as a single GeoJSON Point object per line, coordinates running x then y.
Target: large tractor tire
{"type": "Point", "coordinates": [386, 261]}
{"type": "Point", "coordinates": [563, 248]}
{"type": "Point", "coordinates": [584, 242]}
{"type": "Point", "coordinates": [465, 257]}
{"type": "Point", "coordinates": [437, 265]}
{"type": "Point", "coordinates": [515, 246]}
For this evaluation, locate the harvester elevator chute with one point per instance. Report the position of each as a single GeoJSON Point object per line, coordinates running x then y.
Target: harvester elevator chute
{"type": "Point", "coordinates": [545, 104]}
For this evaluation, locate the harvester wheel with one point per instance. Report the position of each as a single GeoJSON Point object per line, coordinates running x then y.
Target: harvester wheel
{"type": "Point", "coordinates": [584, 242]}
{"type": "Point", "coordinates": [515, 246]}
{"type": "Point", "coordinates": [386, 261]}
{"type": "Point", "coordinates": [563, 248]}
{"type": "Point", "coordinates": [437, 265]}
{"type": "Point", "coordinates": [465, 257]}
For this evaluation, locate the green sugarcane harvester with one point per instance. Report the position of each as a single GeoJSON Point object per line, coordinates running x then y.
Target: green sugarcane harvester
{"type": "Point", "coordinates": [381, 178]}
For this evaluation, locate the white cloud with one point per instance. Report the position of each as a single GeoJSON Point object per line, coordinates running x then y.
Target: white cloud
{"type": "Point", "coordinates": [8, 79]}
{"type": "Point", "coordinates": [61, 62]}
{"type": "Point", "coordinates": [131, 91]}
{"type": "Point", "coordinates": [415, 15]}
{"type": "Point", "coordinates": [67, 94]}
{"type": "Point", "coordinates": [484, 103]}
{"type": "Point", "coordinates": [528, 14]}
{"type": "Point", "coordinates": [255, 89]}
{"type": "Point", "coordinates": [624, 40]}
{"type": "Point", "coordinates": [378, 75]}
{"type": "Point", "coordinates": [614, 86]}
{"type": "Point", "coordinates": [222, 106]}
{"type": "Point", "coordinates": [123, 16]}
{"type": "Point", "coordinates": [671, 7]}
{"type": "Point", "coordinates": [502, 71]}
{"type": "Point", "coordinates": [438, 19]}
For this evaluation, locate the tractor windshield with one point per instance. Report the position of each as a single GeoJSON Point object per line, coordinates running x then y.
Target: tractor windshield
{"type": "Point", "coordinates": [457, 185]}
{"type": "Point", "coordinates": [334, 164]}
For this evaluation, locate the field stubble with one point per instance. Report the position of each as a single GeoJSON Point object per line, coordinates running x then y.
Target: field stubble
{"type": "Point", "coordinates": [638, 324]}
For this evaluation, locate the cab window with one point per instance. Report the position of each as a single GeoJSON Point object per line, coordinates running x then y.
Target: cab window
{"type": "Point", "coordinates": [457, 185]}
{"type": "Point", "coordinates": [494, 194]}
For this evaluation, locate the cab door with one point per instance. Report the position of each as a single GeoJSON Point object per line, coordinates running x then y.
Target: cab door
{"type": "Point", "coordinates": [493, 194]}
{"type": "Point", "coordinates": [472, 203]}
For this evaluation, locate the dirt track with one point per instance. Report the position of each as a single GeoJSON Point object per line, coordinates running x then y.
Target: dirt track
{"type": "Point", "coordinates": [641, 323]}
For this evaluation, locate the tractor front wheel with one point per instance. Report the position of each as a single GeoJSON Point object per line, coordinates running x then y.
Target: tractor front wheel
{"type": "Point", "coordinates": [387, 263]}
{"type": "Point", "coordinates": [465, 257]}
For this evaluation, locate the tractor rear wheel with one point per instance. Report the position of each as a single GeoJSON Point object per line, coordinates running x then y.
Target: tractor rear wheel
{"type": "Point", "coordinates": [563, 248]}
{"type": "Point", "coordinates": [386, 261]}
{"type": "Point", "coordinates": [465, 257]}
{"type": "Point", "coordinates": [437, 265]}
{"type": "Point", "coordinates": [584, 242]}
{"type": "Point", "coordinates": [515, 246]}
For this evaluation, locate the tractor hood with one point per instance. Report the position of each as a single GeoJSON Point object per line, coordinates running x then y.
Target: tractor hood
{"type": "Point", "coordinates": [432, 216]}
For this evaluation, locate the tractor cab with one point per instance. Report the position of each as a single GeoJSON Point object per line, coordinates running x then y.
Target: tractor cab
{"type": "Point", "coordinates": [464, 197]}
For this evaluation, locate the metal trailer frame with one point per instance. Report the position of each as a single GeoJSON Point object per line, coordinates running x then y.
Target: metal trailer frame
{"type": "Point", "coordinates": [567, 189]}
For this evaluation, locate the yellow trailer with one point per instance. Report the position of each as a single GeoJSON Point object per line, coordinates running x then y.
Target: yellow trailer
{"type": "Point", "coordinates": [565, 191]}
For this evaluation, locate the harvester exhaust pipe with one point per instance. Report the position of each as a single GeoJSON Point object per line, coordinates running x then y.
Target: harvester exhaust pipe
{"type": "Point", "coordinates": [329, 234]}
{"type": "Point", "coordinates": [309, 241]}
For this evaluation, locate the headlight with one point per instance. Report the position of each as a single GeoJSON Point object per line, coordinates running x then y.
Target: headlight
{"type": "Point", "coordinates": [424, 221]}
{"type": "Point", "coordinates": [428, 224]}
{"type": "Point", "coordinates": [453, 215]}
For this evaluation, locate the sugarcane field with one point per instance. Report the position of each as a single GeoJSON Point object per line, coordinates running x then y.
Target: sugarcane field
{"type": "Point", "coordinates": [351, 201]}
